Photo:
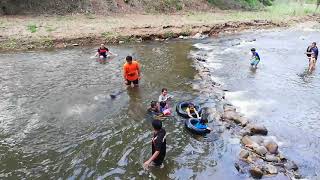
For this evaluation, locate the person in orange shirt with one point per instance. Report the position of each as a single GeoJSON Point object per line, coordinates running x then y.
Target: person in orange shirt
{"type": "Point", "coordinates": [131, 72]}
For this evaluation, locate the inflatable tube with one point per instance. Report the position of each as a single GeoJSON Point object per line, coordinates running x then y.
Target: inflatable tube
{"type": "Point", "coordinates": [190, 125]}
{"type": "Point", "coordinates": [181, 109]}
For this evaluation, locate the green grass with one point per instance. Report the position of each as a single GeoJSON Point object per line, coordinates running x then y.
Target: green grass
{"type": "Point", "coordinates": [50, 28]}
{"type": "Point", "coordinates": [32, 28]}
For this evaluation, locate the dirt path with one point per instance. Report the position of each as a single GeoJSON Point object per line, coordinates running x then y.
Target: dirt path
{"type": "Point", "coordinates": [21, 32]}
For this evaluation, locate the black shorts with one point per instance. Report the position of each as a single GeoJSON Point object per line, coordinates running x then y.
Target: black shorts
{"type": "Point", "coordinates": [135, 82]}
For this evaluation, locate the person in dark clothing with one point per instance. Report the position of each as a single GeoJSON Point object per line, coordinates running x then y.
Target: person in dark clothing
{"type": "Point", "coordinates": [103, 52]}
{"type": "Point", "coordinates": [312, 48]}
{"type": "Point", "coordinates": [158, 145]}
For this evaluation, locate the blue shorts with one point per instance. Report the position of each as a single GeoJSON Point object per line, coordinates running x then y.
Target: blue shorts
{"type": "Point", "coordinates": [255, 62]}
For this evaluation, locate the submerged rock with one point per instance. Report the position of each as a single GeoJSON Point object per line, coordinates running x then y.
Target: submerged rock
{"type": "Point", "coordinates": [290, 165]}
{"type": "Point", "coordinates": [256, 172]}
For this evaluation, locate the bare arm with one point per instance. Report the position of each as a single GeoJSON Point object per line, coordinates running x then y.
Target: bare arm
{"type": "Point", "coordinates": [153, 157]}
{"type": "Point", "coordinates": [189, 114]}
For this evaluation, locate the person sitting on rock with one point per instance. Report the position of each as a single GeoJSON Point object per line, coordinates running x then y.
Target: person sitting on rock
{"type": "Point", "coordinates": [202, 124]}
{"type": "Point", "coordinates": [164, 109]}
{"type": "Point", "coordinates": [191, 110]}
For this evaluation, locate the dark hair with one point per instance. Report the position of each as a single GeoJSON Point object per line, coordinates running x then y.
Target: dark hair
{"type": "Point", "coordinates": [164, 89]}
{"type": "Point", "coordinates": [253, 49]}
{"type": "Point", "coordinates": [163, 104]}
{"type": "Point", "coordinates": [314, 43]}
{"type": "Point", "coordinates": [129, 58]}
{"type": "Point", "coordinates": [153, 104]}
{"type": "Point", "coordinates": [203, 121]}
{"type": "Point", "coordinates": [156, 124]}
{"type": "Point", "coordinates": [191, 104]}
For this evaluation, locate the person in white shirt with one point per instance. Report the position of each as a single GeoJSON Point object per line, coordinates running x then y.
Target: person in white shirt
{"type": "Point", "coordinates": [164, 96]}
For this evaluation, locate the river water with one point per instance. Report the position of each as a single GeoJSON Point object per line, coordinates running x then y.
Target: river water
{"type": "Point", "coordinates": [57, 120]}
{"type": "Point", "coordinates": [280, 94]}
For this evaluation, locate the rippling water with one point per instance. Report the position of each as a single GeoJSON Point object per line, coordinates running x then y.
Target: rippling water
{"type": "Point", "coordinates": [279, 94]}
{"type": "Point", "coordinates": [58, 122]}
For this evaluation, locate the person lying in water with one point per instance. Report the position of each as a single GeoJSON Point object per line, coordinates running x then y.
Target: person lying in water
{"type": "Point", "coordinates": [202, 124]}
{"type": "Point", "coordinates": [164, 109]}
{"type": "Point", "coordinates": [191, 110]}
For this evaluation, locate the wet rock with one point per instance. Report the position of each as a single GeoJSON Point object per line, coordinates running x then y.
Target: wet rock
{"type": "Point", "coordinates": [75, 44]}
{"type": "Point", "coordinates": [244, 132]}
{"type": "Point", "coordinates": [247, 141]}
{"type": "Point", "coordinates": [261, 150]}
{"type": "Point", "coordinates": [241, 120]}
{"type": "Point", "coordinates": [229, 108]}
{"type": "Point", "coordinates": [290, 165]}
{"type": "Point", "coordinates": [272, 147]}
{"type": "Point", "coordinates": [231, 115]}
{"type": "Point", "coordinates": [257, 129]}
{"type": "Point", "coordinates": [244, 154]}
{"type": "Point", "coordinates": [257, 139]}
{"type": "Point", "coordinates": [181, 37]}
{"type": "Point", "coordinates": [272, 158]}
{"type": "Point", "coordinates": [201, 59]}
{"type": "Point", "coordinates": [256, 172]}
{"type": "Point", "coordinates": [199, 36]}
{"type": "Point", "coordinates": [270, 169]}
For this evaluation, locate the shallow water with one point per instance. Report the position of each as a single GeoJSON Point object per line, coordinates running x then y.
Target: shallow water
{"type": "Point", "coordinates": [279, 94]}
{"type": "Point", "coordinates": [57, 120]}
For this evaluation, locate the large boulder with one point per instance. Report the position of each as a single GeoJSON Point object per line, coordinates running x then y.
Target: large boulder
{"type": "Point", "coordinates": [270, 169]}
{"type": "Point", "coordinates": [256, 172]}
{"type": "Point", "coordinates": [257, 129]}
{"type": "Point", "coordinates": [272, 147]}
{"type": "Point", "coordinates": [247, 141]}
{"type": "Point", "coordinates": [261, 150]}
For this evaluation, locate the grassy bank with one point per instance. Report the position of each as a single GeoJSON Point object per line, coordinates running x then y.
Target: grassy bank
{"type": "Point", "coordinates": [25, 32]}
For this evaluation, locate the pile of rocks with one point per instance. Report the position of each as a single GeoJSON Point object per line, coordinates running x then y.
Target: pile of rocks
{"type": "Point", "coordinates": [259, 155]}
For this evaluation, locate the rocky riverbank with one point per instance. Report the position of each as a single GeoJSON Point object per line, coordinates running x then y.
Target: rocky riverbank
{"type": "Point", "coordinates": [68, 31]}
{"type": "Point", "coordinates": [260, 155]}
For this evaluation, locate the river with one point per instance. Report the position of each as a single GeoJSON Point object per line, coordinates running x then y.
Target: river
{"type": "Point", "coordinates": [57, 120]}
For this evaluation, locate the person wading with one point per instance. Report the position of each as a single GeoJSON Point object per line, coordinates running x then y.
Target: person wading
{"type": "Point", "coordinates": [131, 72]}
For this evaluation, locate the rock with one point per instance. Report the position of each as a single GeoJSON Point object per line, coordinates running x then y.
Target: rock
{"type": "Point", "coordinates": [244, 132]}
{"type": "Point", "coordinates": [247, 141]}
{"type": "Point", "coordinates": [121, 42]}
{"type": "Point", "coordinates": [257, 139]}
{"type": "Point", "coordinates": [157, 39]}
{"type": "Point", "coordinates": [231, 115]}
{"type": "Point", "coordinates": [199, 36]}
{"type": "Point", "coordinates": [257, 129]}
{"type": "Point", "coordinates": [272, 158]}
{"type": "Point", "coordinates": [256, 172]}
{"type": "Point", "coordinates": [201, 59]}
{"type": "Point", "coordinates": [75, 44]}
{"type": "Point", "coordinates": [290, 165]}
{"type": "Point", "coordinates": [270, 169]}
{"type": "Point", "coordinates": [244, 154]}
{"type": "Point", "coordinates": [241, 120]}
{"type": "Point", "coordinates": [229, 108]}
{"type": "Point", "coordinates": [272, 147]}
{"type": "Point", "coordinates": [181, 37]}
{"type": "Point", "coordinates": [261, 150]}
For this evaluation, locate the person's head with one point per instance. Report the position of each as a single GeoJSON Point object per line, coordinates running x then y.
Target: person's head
{"type": "Point", "coordinates": [314, 44]}
{"type": "Point", "coordinates": [129, 59]}
{"type": "Point", "coordinates": [163, 104]}
{"type": "Point", "coordinates": [156, 124]}
{"type": "Point", "coordinates": [253, 50]}
{"type": "Point", "coordinates": [191, 106]}
{"type": "Point", "coordinates": [164, 91]}
{"type": "Point", "coordinates": [153, 104]}
{"type": "Point", "coordinates": [102, 46]}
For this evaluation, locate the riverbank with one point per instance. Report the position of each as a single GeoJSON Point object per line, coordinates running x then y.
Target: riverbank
{"type": "Point", "coordinates": [25, 32]}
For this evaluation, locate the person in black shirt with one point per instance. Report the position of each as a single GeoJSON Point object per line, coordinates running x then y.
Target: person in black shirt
{"type": "Point", "coordinates": [158, 145]}
{"type": "Point", "coordinates": [103, 51]}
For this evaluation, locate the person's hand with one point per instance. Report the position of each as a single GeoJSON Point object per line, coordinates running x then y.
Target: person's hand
{"type": "Point", "coordinates": [146, 164]}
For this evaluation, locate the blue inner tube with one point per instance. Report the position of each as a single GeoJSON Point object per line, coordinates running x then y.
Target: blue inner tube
{"type": "Point", "coordinates": [181, 109]}
{"type": "Point", "coordinates": [190, 125]}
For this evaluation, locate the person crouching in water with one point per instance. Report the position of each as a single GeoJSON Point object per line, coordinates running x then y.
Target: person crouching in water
{"type": "Point", "coordinates": [202, 124]}
{"type": "Point", "coordinates": [102, 52]}
{"type": "Point", "coordinates": [158, 145]}
{"type": "Point", "coordinates": [255, 59]}
{"type": "Point", "coordinates": [164, 109]}
{"type": "Point", "coordinates": [191, 110]}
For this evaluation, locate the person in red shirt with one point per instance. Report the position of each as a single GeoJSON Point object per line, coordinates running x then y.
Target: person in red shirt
{"type": "Point", "coordinates": [103, 52]}
{"type": "Point", "coordinates": [131, 72]}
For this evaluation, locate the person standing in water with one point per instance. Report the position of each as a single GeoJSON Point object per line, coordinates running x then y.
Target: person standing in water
{"type": "Point", "coordinates": [312, 48]}
{"type": "Point", "coordinates": [255, 58]}
{"type": "Point", "coordinates": [158, 145]}
{"type": "Point", "coordinates": [131, 72]}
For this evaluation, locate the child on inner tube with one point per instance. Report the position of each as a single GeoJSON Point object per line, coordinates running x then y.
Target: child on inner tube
{"type": "Point", "coordinates": [192, 110]}
{"type": "Point", "coordinates": [164, 109]}
{"type": "Point", "coordinates": [202, 124]}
